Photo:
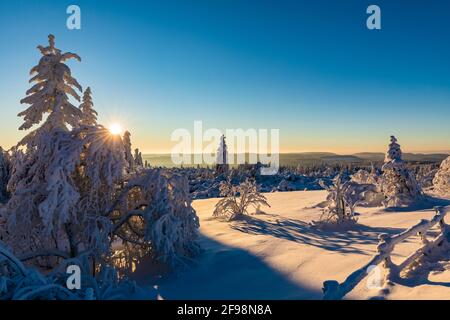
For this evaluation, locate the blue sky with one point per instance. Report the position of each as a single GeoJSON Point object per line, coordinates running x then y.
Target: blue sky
{"type": "Point", "coordinates": [310, 68]}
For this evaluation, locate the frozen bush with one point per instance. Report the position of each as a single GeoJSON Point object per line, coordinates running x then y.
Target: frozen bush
{"type": "Point", "coordinates": [237, 200]}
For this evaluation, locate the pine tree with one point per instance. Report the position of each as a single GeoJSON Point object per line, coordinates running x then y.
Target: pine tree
{"type": "Point", "coordinates": [222, 156]}
{"type": "Point", "coordinates": [5, 172]}
{"type": "Point", "coordinates": [127, 144]}
{"type": "Point", "coordinates": [394, 153]}
{"type": "Point", "coordinates": [398, 184]}
{"type": "Point", "coordinates": [138, 158]}
{"type": "Point", "coordinates": [70, 196]}
{"type": "Point", "coordinates": [89, 115]}
{"type": "Point", "coordinates": [441, 181]}
{"type": "Point", "coordinates": [53, 82]}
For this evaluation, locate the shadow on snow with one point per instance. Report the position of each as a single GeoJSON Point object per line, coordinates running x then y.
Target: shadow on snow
{"type": "Point", "coordinates": [343, 241]}
{"type": "Point", "coordinates": [225, 272]}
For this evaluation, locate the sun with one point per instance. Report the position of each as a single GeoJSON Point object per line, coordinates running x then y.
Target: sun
{"type": "Point", "coordinates": [115, 129]}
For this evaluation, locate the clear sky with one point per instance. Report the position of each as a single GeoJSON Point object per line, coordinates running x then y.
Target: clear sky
{"type": "Point", "coordinates": [310, 68]}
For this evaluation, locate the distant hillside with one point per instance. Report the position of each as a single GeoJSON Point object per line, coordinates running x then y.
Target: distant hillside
{"type": "Point", "coordinates": [312, 158]}
{"type": "Point", "coordinates": [419, 157]}
{"type": "Point", "coordinates": [371, 156]}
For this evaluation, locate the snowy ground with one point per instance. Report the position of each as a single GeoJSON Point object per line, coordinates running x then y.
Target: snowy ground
{"type": "Point", "coordinates": [277, 255]}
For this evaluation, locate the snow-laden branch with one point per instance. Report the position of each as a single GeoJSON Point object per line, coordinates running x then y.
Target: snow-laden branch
{"type": "Point", "coordinates": [334, 290]}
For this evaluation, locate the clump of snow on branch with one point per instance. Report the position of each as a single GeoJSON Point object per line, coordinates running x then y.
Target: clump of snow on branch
{"type": "Point", "coordinates": [399, 185]}
{"type": "Point", "coordinates": [441, 181]}
{"type": "Point", "coordinates": [237, 200]}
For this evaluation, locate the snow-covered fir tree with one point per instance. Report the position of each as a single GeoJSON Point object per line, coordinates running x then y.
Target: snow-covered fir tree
{"type": "Point", "coordinates": [89, 115]}
{"type": "Point", "coordinates": [53, 83]}
{"type": "Point", "coordinates": [222, 165]}
{"type": "Point", "coordinates": [398, 184]}
{"type": "Point", "coordinates": [138, 158]}
{"type": "Point", "coordinates": [5, 171]}
{"type": "Point", "coordinates": [441, 181]}
{"type": "Point", "coordinates": [128, 155]}
{"type": "Point", "coordinates": [70, 197]}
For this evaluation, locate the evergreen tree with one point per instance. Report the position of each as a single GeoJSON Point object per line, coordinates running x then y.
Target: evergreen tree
{"type": "Point", "coordinates": [70, 197]}
{"type": "Point", "coordinates": [441, 181]}
{"type": "Point", "coordinates": [222, 156]}
{"type": "Point", "coordinates": [53, 82]}
{"type": "Point", "coordinates": [127, 144]}
{"type": "Point", "coordinates": [398, 184]}
{"type": "Point", "coordinates": [89, 115]}
{"type": "Point", "coordinates": [138, 158]}
{"type": "Point", "coordinates": [5, 172]}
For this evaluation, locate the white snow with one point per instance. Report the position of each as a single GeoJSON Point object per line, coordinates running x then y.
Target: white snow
{"type": "Point", "coordinates": [277, 255]}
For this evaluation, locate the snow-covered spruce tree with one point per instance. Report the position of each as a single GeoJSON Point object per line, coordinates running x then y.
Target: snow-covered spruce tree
{"type": "Point", "coordinates": [5, 173]}
{"type": "Point", "coordinates": [398, 184]}
{"type": "Point", "coordinates": [441, 181]}
{"type": "Point", "coordinates": [138, 158]}
{"type": "Point", "coordinates": [128, 155]}
{"type": "Point", "coordinates": [237, 200]}
{"type": "Point", "coordinates": [89, 115]}
{"type": "Point", "coordinates": [53, 82]}
{"type": "Point", "coordinates": [222, 157]}
{"type": "Point", "coordinates": [70, 194]}
{"type": "Point", "coordinates": [35, 170]}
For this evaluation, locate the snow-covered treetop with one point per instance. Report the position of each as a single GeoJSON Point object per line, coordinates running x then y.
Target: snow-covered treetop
{"type": "Point", "coordinates": [89, 115]}
{"type": "Point", "coordinates": [53, 83]}
{"type": "Point", "coordinates": [222, 152]}
{"type": "Point", "coordinates": [127, 146]}
{"type": "Point", "coordinates": [394, 153]}
{"type": "Point", "coordinates": [138, 158]}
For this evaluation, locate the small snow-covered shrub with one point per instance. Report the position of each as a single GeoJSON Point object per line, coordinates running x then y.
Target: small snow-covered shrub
{"type": "Point", "coordinates": [441, 181]}
{"type": "Point", "coordinates": [237, 200]}
{"type": "Point", "coordinates": [373, 197]}
{"type": "Point", "coordinates": [153, 217]}
{"type": "Point", "coordinates": [364, 177]}
{"type": "Point", "coordinates": [342, 200]}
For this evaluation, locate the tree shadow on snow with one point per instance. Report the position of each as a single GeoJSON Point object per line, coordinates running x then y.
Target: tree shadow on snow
{"type": "Point", "coordinates": [429, 202]}
{"type": "Point", "coordinates": [343, 241]}
{"type": "Point", "coordinates": [225, 272]}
